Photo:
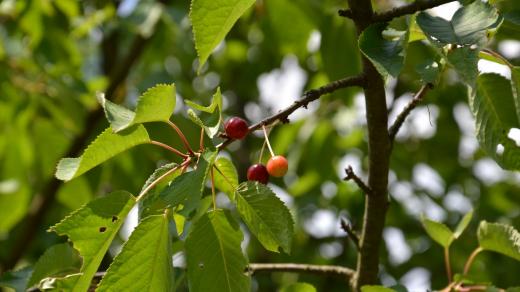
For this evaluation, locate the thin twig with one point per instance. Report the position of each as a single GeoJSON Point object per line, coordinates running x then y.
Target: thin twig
{"type": "Point", "coordinates": [308, 96]}
{"type": "Point", "coordinates": [498, 56]}
{"type": "Point", "coordinates": [159, 179]}
{"type": "Point", "coordinates": [418, 5]}
{"type": "Point", "coordinates": [201, 140]}
{"type": "Point", "coordinates": [352, 235]}
{"type": "Point", "coordinates": [169, 148]}
{"type": "Point", "coordinates": [359, 182]}
{"type": "Point", "coordinates": [392, 132]}
{"type": "Point", "coordinates": [181, 135]}
{"type": "Point", "coordinates": [301, 268]}
{"type": "Point", "coordinates": [447, 263]}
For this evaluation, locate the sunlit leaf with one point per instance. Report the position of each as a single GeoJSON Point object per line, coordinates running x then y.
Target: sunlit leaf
{"type": "Point", "coordinates": [106, 145]}
{"type": "Point", "coordinates": [463, 224]}
{"type": "Point", "coordinates": [92, 229]}
{"type": "Point", "coordinates": [501, 238]}
{"type": "Point", "coordinates": [298, 287]}
{"type": "Point", "coordinates": [145, 262]}
{"type": "Point", "coordinates": [214, 257]}
{"type": "Point", "coordinates": [438, 232]}
{"type": "Point", "coordinates": [210, 116]}
{"type": "Point", "coordinates": [226, 182]}
{"type": "Point", "coordinates": [212, 20]}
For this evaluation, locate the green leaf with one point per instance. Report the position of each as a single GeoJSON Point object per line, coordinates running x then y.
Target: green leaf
{"type": "Point", "coordinates": [226, 182]}
{"type": "Point", "coordinates": [465, 60]}
{"type": "Point", "coordinates": [515, 80]}
{"type": "Point", "coordinates": [438, 232]}
{"type": "Point", "coordinates": [92, 229]}
{"type": "Point", "coordinates": [16, 280]}
{"type": "Point", "coordinates": [155, 105]}
{"type": "Point", "coordinates": [59, 284]}
{"type": "Point", "coordinates": [501, 238]}
{"type": "Point", "coordinates": [150, 205]}
{"type": "Point", "coordinates": [58, 260]}
{"type": "Point", "coordinates": [214, 257]}
{"type": "Point", "coordinates": [298, 287]}
{"type": "Point", "coordinates": [467, 27]}
{"type": "Point", "coordinates": [210, 116]}
{"type": "Point", "coordinates": [106, 145]}
{"type": "Point", "coordinates": [429, 71]}
{"type": "Point", "coordinates": [266, 216]}
{"type": "Point", "coordinates": [145, 262]}
{"type": "Point", "coordinates": [386, 49]}
{"type": "Point", "coordinates": [375, 288]}
{"type": "Point", "coordinates": [463, 224]}
{"type": "Point", "coordinates": [212, 20]}
{"type": "Point", "coordinates": [494, 108]}
{"type": "Point", "coordinates": [187, 188]}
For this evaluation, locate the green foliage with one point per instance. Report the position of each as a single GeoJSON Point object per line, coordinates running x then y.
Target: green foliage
{"type": "Point", "coordinates": [386, 48]}
{"type": "Point", "coordinates": [155, 105]}
{"type": "Point", "coordinates": [16, 280]}
{"type": "Point", "coordinates": [438, 232]}
{"type": "Point", "coordinates": [226, 182]}
{"type": "Point", "coordinates": [58, 260]}
{"type": "Point", "coordinates": [375, 288]}
{"type": "Point", "coordinates": [91, 230]}
{"type": "Point", "coordinates": [465, 60]}
{"type": "Point", "coordinates": [145, 256]}
{"type": "Point", "coordinates": [298, 287]}
{"type": "Point", "coordinates": [214, 258]}
{"type": "Point", "coordinates": [210, 117]}
{"type": "Point", "coordinates": [106, 145]}
{"type": "Point", "coordinates": [212, 20]}
{"type": "Point", "coordinates": [463, 224]}
{"type": "Point", "coordinates": [494, 108]}
{"type": "Point", "coordinates": [467, 27]}
{"type": "Point", "coordinates": [266, 216]}
{"type": "Point", "coordinates": [499, 238]}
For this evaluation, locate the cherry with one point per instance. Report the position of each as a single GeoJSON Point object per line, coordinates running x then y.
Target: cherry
{"type": "Point", "coordinates": [236, 128]}
{"type": "Point", "coordinates": [257, 172]}
{"type": "Point", "coordinates": [277, 166]}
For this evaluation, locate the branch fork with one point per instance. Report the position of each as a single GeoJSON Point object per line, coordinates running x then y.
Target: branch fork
{"type": "Point", "coordinates": [359, 182]}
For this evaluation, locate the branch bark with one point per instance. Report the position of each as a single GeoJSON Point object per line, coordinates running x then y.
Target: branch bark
{"type": "Point", "coordinates": [411, 8]}
{"type": "Point", "coordinates": [301, 268]}
{"type": "Point", "coordinates": [308, 97]}
{"type": "Point", "coordinates": [379, 147]}
{"type": "Point", "coordinates": [43, 201]}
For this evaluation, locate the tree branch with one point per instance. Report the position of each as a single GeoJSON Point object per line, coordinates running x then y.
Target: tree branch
{"type": "Point", "coordinates": [394, 129]}
{"type": "Point", "coordinates": [411, 8]}
{"type": "Point", "coordinates": [352, 176]}
{"type": "Point", "coordinates": [350, 232]}
{"type": "Point", "coordinates": [43, 201]}
{"type": "Point", "coordinates": [308, 97]}
{"type": "Point", "coordinates": [301, 268]}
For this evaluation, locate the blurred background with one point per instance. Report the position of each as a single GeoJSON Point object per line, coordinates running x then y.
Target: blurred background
{"type": "Point", "coordinates": [55, 55]}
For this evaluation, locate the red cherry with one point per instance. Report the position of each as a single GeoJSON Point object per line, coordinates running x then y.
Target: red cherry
{"type": "Point", "coordinates": [258, 172]}
{"type": "Point", "coordinates": [277, 166]}
{"type": "Point", "coordinates": [236, 128]}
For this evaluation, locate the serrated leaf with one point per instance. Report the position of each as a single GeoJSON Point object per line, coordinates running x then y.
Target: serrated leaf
{"type": "Point", "coordinates": [494, 109]}
{"type": "Point", "coordinates": [92, 229]}
{"type": "Point", "coordinates": [66, 283]}
{"type": "Point", "coordinates": [465, 60]}
{"type": "Point", "coordinates": [463, 224]}
{"type": "Point", "coordinates": [467, 27]}
{"type": "Point", "coordinates": [57, 261]}
{"type": "Point", "coordinates": [155, 105]}
{"type": "Point", "coordinates": [187, 188]}
{"type": "Point", "coordinates": [16, 280]}
{"type": "Point", "coordinates": [429, 71]}
{"type": "Point", "coordinates": [106, 146]}
{"type": "Point", "coordinates": [266, 216]}
{"type": "Point", "coordinates": [515, 80]}
{"type": "Point", "coordinates": [145, 262]}
{"type": "Point", "coordinates": [226, 182]}
{"type": "Point", "coordinates": [387, 54]}
{"type": "Point", "coordinates": [214, 257]}
{"type": "Point", "coordinates": [298, 287]}
{"type": "Point", "coordinates": [438, 232]}
{"type": "Point", "coordinates": [210, 116]}
{"type": "Point", "coordinates": [375, 288]}
{"type": "Point", "coordinates": [211, 21]}
{"type": "Point", "coordinates": [149, 205]}
{"type": "Point", "coordinates": [501, 238]}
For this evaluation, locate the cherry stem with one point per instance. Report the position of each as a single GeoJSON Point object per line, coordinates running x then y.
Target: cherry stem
{"type": "Point", "coordinates": [498, 56]}
{"type": "Point", "coordinates": [169, 148]}
{"type": "Point", "coordinates": [213, 195]}
{"type": "Point", "coordinates": [261, 153]}
{"type": "Point", "coordinates": [201, 140]}
{"type": "Point", "coordinates": [181, 135]}
{"type": "Point", "coordinates": [159, 179]}
{"type": "Point", "coordinates": [471, 259]}
{"type": "Point", "coordinates": [267, 141]}
{"type": "Point", "coordinates": [447, 262]}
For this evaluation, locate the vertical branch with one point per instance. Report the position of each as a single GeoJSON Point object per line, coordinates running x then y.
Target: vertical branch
{"type": "Point", "coordinates": [376, 204]}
